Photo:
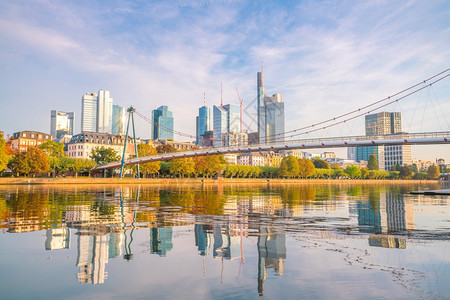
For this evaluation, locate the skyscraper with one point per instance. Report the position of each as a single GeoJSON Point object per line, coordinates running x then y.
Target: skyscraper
{"type": "Point", "coordinates": [202, 124]}
{"type": "Point", "coordinates": [226, 119]}
{"type": "Point", "coordinates": [162, 127]}
{"type": "Point", "coordinates": [118, 120]}
{"type": "Point", "coordinates": [61, 123]}
{"type": "Point", "coordinates": [104, 112]}
{"type": "Point", "coordinates": [270, 114]}
{"type": "Point", "coordinates": [89, 112]}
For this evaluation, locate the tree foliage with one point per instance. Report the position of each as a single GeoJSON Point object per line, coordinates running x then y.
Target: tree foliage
{"type": "Point", "coordinates": [52, 148]}
{"type": "Point", "coordinates": [321, 164]}
{"type": "Point", "coordinates": [33, 161]}
{"type": "Point", "coordinates": [433, 172]}
{"type": "Point", "coordinates": [373, 163]}
{"type": "Point", "coordinates": [405, 172]}
{"type": "Point", "coordinates": [353, 171]}
{"type": "Point", "coordinates": [149, 167]}
{"type": "Point", "coordinates": [207, 165]}
{"type": "Point", "coordinates": [3, 156]}
{"type": "Point", "coordinates": [306, 168]}
{"type": "Point", "coordinates": [289, 167]}
{"type": "Point", "coordinates": [182, 166]}
{"type": "Point", "coordinates": [165, 148]}
{"type": "Point", "coordinates": [82, 165]}
{"type": "Point", "coordinates": [104, 155]}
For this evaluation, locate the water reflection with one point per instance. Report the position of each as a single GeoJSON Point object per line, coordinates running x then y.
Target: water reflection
{"type": "Point", "coordinates": [221, 219]}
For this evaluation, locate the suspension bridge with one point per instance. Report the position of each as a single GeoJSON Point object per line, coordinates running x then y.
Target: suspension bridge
{"type": "Point", "coordinates": [289, 140]}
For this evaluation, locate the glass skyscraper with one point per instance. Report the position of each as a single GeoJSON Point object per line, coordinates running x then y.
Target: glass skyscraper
{"type": "Point", "coordinates": [202, 124]}
{"type": "Point", "coordinates": [162, 127]}
{"type": "Point", "coordinates": [226, 119]}
{"type": "Point", "coordinates": [104, 112]}
{"type": "Point", "coordinates": [61, 123]}
{"type": "Point", "coordinates": [89, 112]}
{"type": "Point", "coordinates": [118, 120]}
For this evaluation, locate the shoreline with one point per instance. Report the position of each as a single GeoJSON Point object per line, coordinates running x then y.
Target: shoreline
{"type": "Point", "coordinates": [196, 181]}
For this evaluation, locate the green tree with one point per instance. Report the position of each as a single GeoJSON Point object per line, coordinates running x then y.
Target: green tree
{"type": "Point", "coordinates": [19, 164]}
{"type": "Point", "coordinates": [289, 167]}
{"type": "Point", "coordinates": [82, 164]}
{"type": "Point", "coordinates": [373, 163]}
{"type": "Point", "coordinates": [353, 171]}
{"type": "Point", "coordinates": [433, 172]}
{"type": "Point", "coordinates": [149, 167]}
{"type": "Point", "coordinates": [364, 173]}
{"type": "Point", "coordinates": [3, 156]}
{"type": "Point", "coordinates": [321, 164]}
{"type": "Point", "coordinates": [104, 155]}
{"type": "Point", "coordinates": [52, 148]}
{"type": "Point", "coordinates": [165, 148]}
{"type": "Point", "coordinates": [307, 168]}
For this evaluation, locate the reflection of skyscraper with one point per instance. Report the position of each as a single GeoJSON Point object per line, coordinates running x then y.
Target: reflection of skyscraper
{"type": "Point", "coordinates": [92, 257]}
{"type": "Point", "coordinates": [271, 254]}
{"type": "Point", "coordinates": [387, 213]}
{"type": "Point", "coordinates": [225, 246]}
{"type": "Point", "coordinates": [160, 241]}
{"type": "Point", "coordinates": [57, 238]}
{"type": "Point", "coordinates": [201, 239]}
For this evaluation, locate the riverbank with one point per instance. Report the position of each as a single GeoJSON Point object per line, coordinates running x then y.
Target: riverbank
{"type": "Point", "coordinates": [191, 181]}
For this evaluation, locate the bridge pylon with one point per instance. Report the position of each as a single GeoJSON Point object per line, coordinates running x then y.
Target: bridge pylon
{"type": "Point", "coordinates": [130, 112]}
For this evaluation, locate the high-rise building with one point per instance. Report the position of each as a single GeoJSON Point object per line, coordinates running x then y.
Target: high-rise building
{"type": "Point", "coordinates": [89, 112]}
{"type": "Point", "coordinates": [202, 124]}
{"type": "Point", "coordinates": [61, 123]}
{"type": "Point", "coordinates": [118, 120]}
{"type": "Point", "coordinates": [104, 112]}
{"type": "Point", "coordinates": [226, 119]}
{"type": "Point", "coordinates": [162, 127]}
{"type": "Point", "coordinates": [270, 114]}
{"type": "Point", "coordinates": [385, 123]}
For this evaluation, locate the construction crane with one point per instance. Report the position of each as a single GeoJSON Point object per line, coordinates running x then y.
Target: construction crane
{"type": "Point", "coordinates": [241, 101]}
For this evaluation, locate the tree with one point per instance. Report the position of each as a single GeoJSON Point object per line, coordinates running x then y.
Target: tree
{"type": "Point", "coordinates": [306, 167]}
{"type": "Point", "coordinates": [405, 172]}
{"type": "Point", "coordinates": [82, 164]}
{"type": "Point", "coordinates": [149, 167]}
{"type": "Point", "coordinates": [373, 163]}
{"type": "Point", "coordinates": [3, 156]}
{"type": "Point", "coordinates": [104, 155]}
{"type": "Point", "coordinates": [37, 160]}
{"type": "Point", "coordinates": [321, 164]}
{"type": "Point", "coordinates": [207, 165]}
{"type": "Point", "coordinates": [165, 148]}
{"type": "Point", "coordinates": [433, 172]}
{"type": "Point", "coordinates": [19, 164]}
{"type": "Point", "coordinates": [364, 172]}
{"type": "Point", "coordinates": [52, 148]}
{"type": "Point", "coordinates": [353, 171]}
{"type": "Point", "coordinates": [289, 166]}
{"type": "Point", "coordinates": [182, 166]}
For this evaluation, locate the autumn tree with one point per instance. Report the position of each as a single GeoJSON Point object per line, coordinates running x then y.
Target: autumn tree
{"type": "Point", "coordinates": [289, 167]}
{"type": "Point", "coordinates": [3, 156]}
{"type": "Point", "coordinates": [145, 149]}
{"type": "Point", "coordinates": [372, 163]}
{"type": "Point", "coordinates": [182, 166]}
{"type": "Point", "coordinates": [405, 172]}
{"type": "Point", "coordinates": [306, 167]}
{"type": "Point", "coordinates": [19, 164]}
{"type": "Point", "coordinates": [52, 148]}
{"type": "Point", "coordinates": [433, 172]}
{"type": "Point", "coordinates": [207, 165]}
{"type": "Point", "coordinates": [82, 164]}
{"type": "Point", "coordinates": [165, 149]}
{"type": "Point", "coordinates": [321, 164]}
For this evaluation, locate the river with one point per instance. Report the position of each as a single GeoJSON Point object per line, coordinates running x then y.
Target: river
{"type": "Point", "coordinates": [309, 241]}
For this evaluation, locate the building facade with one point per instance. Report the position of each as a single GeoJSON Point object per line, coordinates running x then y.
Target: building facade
{"type": "Point", "coordinates": [81, 145]}
{"type": "Point", "coordinates": [104, 112]}
{"type": "Point", "coordinates": [226, 119]}
{"type": "Point", "coordinates": [162, 127]}
{"type": "Point", "coordinates": [61, 123]}
{"type": "Point", "coordinates": [202, 124]}
{"type": "Point", "coordinates": [235, 139]}
{"type": "Point", "coordinates": [22, 140]}
{"type": "Point", "coordinates": [251, 159]}
{"type": "Point", "coordinates": [89, 112]}
{"type": "Point", "coordinates": [118, 120]}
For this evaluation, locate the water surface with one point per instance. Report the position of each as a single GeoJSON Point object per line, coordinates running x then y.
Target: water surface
{"type": "Point", "coordinates": [322, 241]}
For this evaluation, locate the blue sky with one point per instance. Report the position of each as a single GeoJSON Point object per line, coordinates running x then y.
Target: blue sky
{"type": "Point", "coordinates": [325, 57]}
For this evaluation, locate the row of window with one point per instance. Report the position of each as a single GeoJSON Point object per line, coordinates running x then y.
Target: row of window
{"type": "Point", "coordinates": [32, 135]}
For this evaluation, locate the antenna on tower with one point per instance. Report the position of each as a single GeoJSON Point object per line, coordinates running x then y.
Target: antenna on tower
{"type": "Point", "coordinates": [221, 99]}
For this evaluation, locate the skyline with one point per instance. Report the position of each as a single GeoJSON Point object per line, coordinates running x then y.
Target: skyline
{"type": "Point", "coordinates": [331, 55]}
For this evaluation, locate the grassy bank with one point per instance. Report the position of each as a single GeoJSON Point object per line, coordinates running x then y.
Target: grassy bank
{"type": "Point", "coordinates": [190, 181]}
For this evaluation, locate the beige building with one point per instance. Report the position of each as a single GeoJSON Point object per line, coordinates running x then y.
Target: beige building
{"type": "Point", "coordinates": [22, 140]}
{"type": "Point", "coordinates": [251, 159]}
{"type": "Point", "coordinates": [272, 159]}
{"type": "Point", "coordinates": [81, 145]}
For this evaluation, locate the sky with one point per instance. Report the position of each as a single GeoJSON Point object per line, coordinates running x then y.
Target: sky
{"type": "Point", "coordinates": [325, 57]}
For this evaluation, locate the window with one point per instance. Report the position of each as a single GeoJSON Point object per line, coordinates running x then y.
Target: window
{"type": "Point", "coordinates": [24, 135]}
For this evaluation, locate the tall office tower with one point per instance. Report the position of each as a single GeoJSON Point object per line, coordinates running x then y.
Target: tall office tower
{"type": "Point", "coordinates": [162, 127]}
{"type": "Point", "coordinates": [202, 124]}
{"type": "Point", "coordinates": [385, 123]}
{"type": "Point", "coordinates": [61, 123]}
{"type": "Point", "coordinates": [270, 114]}
{"type": "Point", "coordinates": [89, 112]}
{"type": "Point", "coordinates": [104, 112]}
{"type": "Point", "coordinates": [226, 119]}
{"type": "Point", "coordinates": [118, 120]}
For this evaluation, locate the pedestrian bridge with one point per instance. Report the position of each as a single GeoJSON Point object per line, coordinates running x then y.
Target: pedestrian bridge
{"type": "Point", "coordinates": [428, 138]}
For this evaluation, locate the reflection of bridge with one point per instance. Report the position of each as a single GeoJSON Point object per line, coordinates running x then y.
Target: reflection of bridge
{"type": "Point", "coordinates": [429, 138]}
